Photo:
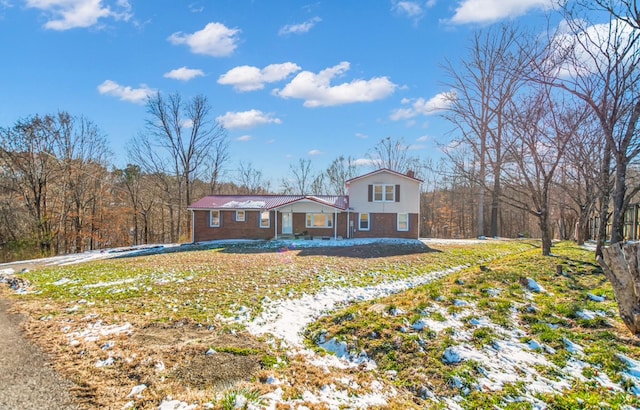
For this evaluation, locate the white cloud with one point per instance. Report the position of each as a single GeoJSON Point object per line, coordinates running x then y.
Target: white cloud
{"type": "Point", "coordinates": [126, 93]}
{"type": "Point", "coordinates": [194, 9]}
{"type": "Point", "coordinates": [411, 9]}
{"type": "Point", "coordinates": [317, 91]}
{"type": "Point", "coordinates": [424, 138]}
{"type": "Point", "coordinates": [489, 11]}
{"type": "Point", "coordinates": [299, 28]}
{"type": "Point", "coordinates": [315, 152]}
{"type": "Point", "coordinates": [421, 106]}
{"type": "Point", "coordinates": [184, 74]}
{"type": "Point", "coordinates": [68, 14]}
{"type": "Point", "coordinates": [364, 162]}
{"type": "Point", "coordinates": [592, 50]}
{"type": "Point", "coordinates": [247, 119]}
{"type": "Point", "coordinates": [361, 136]}
{"type": "Point", "coordinates": [215, 39]}
{"type": "Point", "coordinates": [244, 138]}
{"type": "Point", "coordinates": [249, 78]}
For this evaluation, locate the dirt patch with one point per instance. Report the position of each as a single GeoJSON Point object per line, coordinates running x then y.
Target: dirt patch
{"type": "Point", "coordinates": [171, 334]}
{"type": "Point", "coordinates": [202, 358]}
{"type": "Point", "coordinates": [217, 370]}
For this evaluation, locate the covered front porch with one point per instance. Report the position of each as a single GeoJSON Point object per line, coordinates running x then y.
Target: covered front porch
{"type": "Point", "coordinates": [311, 218]}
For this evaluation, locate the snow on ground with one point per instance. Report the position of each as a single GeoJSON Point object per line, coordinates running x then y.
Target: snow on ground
{"type": "Point", "coordinates": [11, 268]}
{"type": "Point", "coordinates": [508, 359]}
{"type": "Point", "coordinates": [74, 258]}
{"type": "Point", "coordinates": [286, 319]}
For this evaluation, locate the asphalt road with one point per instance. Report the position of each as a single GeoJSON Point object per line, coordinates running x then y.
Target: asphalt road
{"type": "Point", "coordinates": [27, 380]}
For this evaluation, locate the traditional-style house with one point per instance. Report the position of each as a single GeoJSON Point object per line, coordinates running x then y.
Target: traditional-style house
{"type": "Point", "coordinates": [380, 204]}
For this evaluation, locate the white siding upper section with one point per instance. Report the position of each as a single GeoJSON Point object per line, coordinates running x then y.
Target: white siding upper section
{"type": "Point", "coordinates": [409, 194]}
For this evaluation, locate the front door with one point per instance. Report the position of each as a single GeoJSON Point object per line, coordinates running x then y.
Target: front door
{"type": "Point", "coordinates": [287, 223]}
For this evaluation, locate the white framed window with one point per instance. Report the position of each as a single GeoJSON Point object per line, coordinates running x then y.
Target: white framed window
{"type": "Point", "coordinates": [363, 222]}
{"type": "Point", "coordinates": [214, 218]}
{"type": "Point", "coordinates": [265, 219]}
{"type": "Point", "coordinates": [384, 193]}
{"type": "Point", "coordinates": [240, 215]}
{"type": "Point", "coordinates": [403, 221]}
{"type": "Point", "coordinates": [319, 220]}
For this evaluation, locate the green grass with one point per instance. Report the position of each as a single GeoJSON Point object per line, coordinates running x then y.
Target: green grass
{"type": "Point", "coordinates": [205, 285]}
{"type": "Point", "coordinates": [548, 318]}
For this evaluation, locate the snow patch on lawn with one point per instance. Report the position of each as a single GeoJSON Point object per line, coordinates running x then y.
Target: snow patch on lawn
{"type": "Point", "coordinates": [286, 319]}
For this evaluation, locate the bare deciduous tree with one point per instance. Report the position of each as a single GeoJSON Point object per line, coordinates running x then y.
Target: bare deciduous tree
{"type": "Point", "coordinates": [392, 154]}
{"type": "Point", "coordinates": [251, 180]}
{"type": "Point", "coordinates": [340, 170]}
{"type": "Point", "coordinates": [84, 154]}
{"type": "Point", "coordinates": [482, 85]}
{"type": "Point", "coordinates": [27, 155]}
{"type": "Point", "coordinates": [541, 127]}
{"type": "Point", "coordinates": [179, 140]}
{"type": "Point", "coordinates": [301, 179]}
{"type": "Point", "coordinates": [600, 64]}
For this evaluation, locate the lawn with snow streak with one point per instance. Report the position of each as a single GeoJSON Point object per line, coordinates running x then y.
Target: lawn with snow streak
{"type": "Point", "coordinates": [287, 319]}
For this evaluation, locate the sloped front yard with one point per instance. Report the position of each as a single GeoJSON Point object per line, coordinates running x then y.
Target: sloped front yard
{"type": "Point", "coordinates": [479, 324]}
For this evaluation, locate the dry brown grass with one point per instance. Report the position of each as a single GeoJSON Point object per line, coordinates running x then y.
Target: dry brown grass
{"type": "Point", "coordinates": [174, 312]}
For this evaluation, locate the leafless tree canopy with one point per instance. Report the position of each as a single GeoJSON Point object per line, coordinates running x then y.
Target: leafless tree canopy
{"type": "Point", "coordinates": [181, 143]}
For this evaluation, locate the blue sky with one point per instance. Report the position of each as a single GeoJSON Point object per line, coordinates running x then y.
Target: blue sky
{"type": "Point", "coordinates": [288, 79]}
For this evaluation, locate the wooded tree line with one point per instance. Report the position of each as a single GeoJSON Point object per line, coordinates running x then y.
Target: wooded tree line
{"type": "Point", "coordinates": [544, 136]}
{"type": "Point", "coordinates": [549, 125]}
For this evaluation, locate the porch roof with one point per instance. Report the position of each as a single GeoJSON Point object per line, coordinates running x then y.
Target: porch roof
{"type": "Point", "coordinates": [267, 202]}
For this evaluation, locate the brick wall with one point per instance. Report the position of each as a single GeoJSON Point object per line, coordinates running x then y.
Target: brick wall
{"type": "Point", "coordinates": [229, 228]}
{"type": "Point", "coordinates": [249, 229]}
{"type": "Point", "coordinates": [385, 226]}
{"type": "Point", "coordinates": [299, 225]}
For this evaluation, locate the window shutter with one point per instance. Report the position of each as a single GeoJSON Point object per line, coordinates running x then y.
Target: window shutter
{"type": "Point", "coordinates": [370, 193]}
{"type": "Point", "coordinates": [397, 193]}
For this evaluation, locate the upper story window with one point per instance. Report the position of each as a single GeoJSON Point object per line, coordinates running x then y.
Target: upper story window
{"type": "Point", "coordinates": [240, 215]}
{"type": "Point", "coordinates": [214, 218]}
{"type": "Point", "coordinates": [384, 193]}
{"type": "Point", "coordinates": [319, 220]}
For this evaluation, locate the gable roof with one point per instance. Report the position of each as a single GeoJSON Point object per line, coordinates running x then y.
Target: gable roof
{"type": "Point", "coordinates": [266, 202]}
{"type": "Point", "coordinates": [378, 171]}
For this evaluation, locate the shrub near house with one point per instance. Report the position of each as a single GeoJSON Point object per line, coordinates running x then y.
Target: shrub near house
{"type": "Point", "coordinates": [380, 204]}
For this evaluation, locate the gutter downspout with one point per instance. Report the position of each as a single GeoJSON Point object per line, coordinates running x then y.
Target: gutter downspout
{"type": "Point", "coordinates": [335, 224]}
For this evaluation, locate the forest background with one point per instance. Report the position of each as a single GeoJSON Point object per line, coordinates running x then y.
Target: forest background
{"type": "Point", "coordinates": [544, 133]}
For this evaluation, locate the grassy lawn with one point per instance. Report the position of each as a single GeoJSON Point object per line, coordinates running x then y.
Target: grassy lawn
{"type": "Point", "coordinates": [175, 323]}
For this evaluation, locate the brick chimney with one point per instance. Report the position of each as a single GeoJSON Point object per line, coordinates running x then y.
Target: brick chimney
{"type": "Point", "coordinates": [411, 174]}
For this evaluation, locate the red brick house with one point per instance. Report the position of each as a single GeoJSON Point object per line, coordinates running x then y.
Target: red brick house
{"type": "Point", "coordinates": [380, 204]}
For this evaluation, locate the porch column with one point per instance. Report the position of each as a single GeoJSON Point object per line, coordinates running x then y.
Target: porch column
{"type": "Point", "coordinates": [348, 228]}
{"type": "Point", "coordinates": [276, 224]}
{"type": "Point", "coordinates": [193, 227]}
{"type": "Point", "coordinates": [335, 223]}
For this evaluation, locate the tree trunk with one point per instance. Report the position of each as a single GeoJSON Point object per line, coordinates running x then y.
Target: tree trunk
{"type": "Point", "coordinates": [605, 192]}
{"type": "Point", "coordinates": [621, 265]}
{"type": "Point", "coordinates": [495, 208]}
{"type": "Point", "coordinates": [620, 188]}
{"type": "Point", "coordinates": [545, 232]}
